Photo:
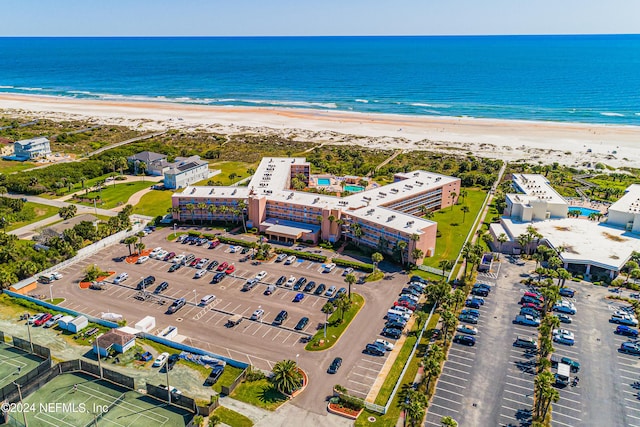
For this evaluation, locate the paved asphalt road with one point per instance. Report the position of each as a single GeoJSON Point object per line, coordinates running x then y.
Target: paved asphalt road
{"type": "Point", "coordinates": [259, 344]}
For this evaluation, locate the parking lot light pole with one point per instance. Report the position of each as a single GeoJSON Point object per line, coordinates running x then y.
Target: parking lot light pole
{"type": "Point", "coordinates": [24, 415]}
{"type": "Point", "coordinates": [174, 229]}
{"type": "Point", "coordinates": [297, 355]}
{"type": "Point", "coordinates": [98, 351]}
{"type": "Point", "coordinates": [166, 368]}
{"type": "Point", "coordinates": [29, 331]}
{"type": "Point", "coordinates": [51, 292]}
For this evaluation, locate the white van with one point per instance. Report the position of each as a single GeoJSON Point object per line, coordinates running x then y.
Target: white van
{"type": "Point", "coordinates": [207, 299]}
{"type": "Point", "coordinates": [399, 313]}
{"type": "Point", "coordinates": [120, 278]}
{"type": "Point", "coordinates": [290, 260]}
{"type": "Point", "coordinates": [328, 268]}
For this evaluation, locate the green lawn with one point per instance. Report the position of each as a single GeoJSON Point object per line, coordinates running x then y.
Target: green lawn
{"type": "Point", "coordinates": [227, 168]}
{"type": "Point", "coordinates": [112, 195]}
{"type": "Point", "coordinates": [41, 212]}
{"type": "Point", "coordinates": [8, 166]}
{"type": "Point", "coordinates": [259, 393]}
{"type": "Point", "coordinates": [335, 330]}
{"type": "Point", "coordinates": [154, 203]}
{"type": "Point", "coordinates": [451, 227]}
{"type": "Point", "coordinates": [232, 418]}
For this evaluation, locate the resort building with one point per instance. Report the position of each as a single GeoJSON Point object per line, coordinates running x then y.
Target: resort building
{"type": "Point", "coordinates": [380, 217]}
{"type": "Point", "coordinates": [625, 213]}
{"type": "Point", "coordinates": [588, 247]}
{"type": "Point", "coordinates": [185, 171]}
{"type": "Point", "coordinates": [155, 163]}
{"type": "Point", "coordinates": [33, 148]}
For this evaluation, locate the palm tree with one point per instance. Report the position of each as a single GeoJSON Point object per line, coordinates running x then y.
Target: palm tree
{"type": "Point", "coordinates": [356, 230]}
{"type": "Point", "coordinates": [130, 241]}
{"type": "Point", "coordinates": [432, 369]}
{"type": "Point", "coordinates": [458, 298]}
{"type": "Point", "coordinates": [327, 309]}
{"type": "Point", "coordinates": [350, 279]}
{"type": "Point", "coordinates": [630, 266]}
{"type": "Point", "coordinates": [343, 304]}
{"type": "Point", "coordinates": [448, 422]}
{"type": "Point", "coordinates": [242, 206]}
{"type": "Point", "coordinates": [376, 258]}
{"type": "Point", "coordinates": [448, 323]}
{"type": "Point", "coordinates": [464, 210]}
{"type": "Point", "coordinates": [202, 207]}
{"type": "Point", "coordinates": [563, 275]}
{"type": "Point", "coordinates": [286, 376]}
{"type": "Point", "coordinates": [463, 194]}
{"type": "Point", "coordinates": [142, 169]}
{"type": "Point", "coordinates": [402, 247]}
{"type": "Point", "coordinates": [445, 264]}
{"type": "Point", "coordinates": [413, 404]}
{"type": "Point", "coordinates": [140, 247]}
{"type": "Point", "coordinates": [502, 238]}
{"type": "Point", "coordinates": [190, 207]}
{"type": "Point", "coordinates": [212, 209]}
{"type": "Point", "coordinates": [452, 196]}
{"type": "Point", "coordinates": [542, 384]}
{"type": "Point", "coordinates": [417, 254]}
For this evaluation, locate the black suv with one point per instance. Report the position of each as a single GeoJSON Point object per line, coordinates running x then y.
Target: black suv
{"type": "Point", "coordinates": [321, 288]}
{"type": "Point", "coordinates": [212, 265]}
{"type": "Point", "coordinates": [281, 317]}
{"type": "Point", "coordinates": [161, 287]}
{"type": "Point", "coordinates": [335, 365]}
{"type": "Point", "coordinates": [149, 280]}
{"type": "Point", "coordinates": [481, 292]}
{"type": "Point", "coordinates": [310, 286]}
{"type": "Point", "coordinates": [218, 277]}
{"type": "Point", "coordinates": [301, 281]}
{"type": "Point", "coordinates": [301, 324]}
{"type": "Point", "coordinates": [214, 376]}
{"type": "Point", "coordinates": [172, 360]}
{"type": "Point", "coordinates": [281, 280]}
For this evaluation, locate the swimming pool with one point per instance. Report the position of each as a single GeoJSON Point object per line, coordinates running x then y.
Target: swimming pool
{"type": "Point", "coordinates": [583, 211]}
{"type": "Point", "coordinates": [324, 182]}
{"type": "Point", "coordinates": [353, 188]}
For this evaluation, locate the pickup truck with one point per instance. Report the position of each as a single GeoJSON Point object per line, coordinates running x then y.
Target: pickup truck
{"type": "Point", "coordinates": [555, 360]}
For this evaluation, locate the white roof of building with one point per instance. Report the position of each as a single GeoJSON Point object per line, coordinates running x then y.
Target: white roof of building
{"type": "Point", "coordinates": [273, 173]}
{"type": "Point", "coordinates": [630, 202]}
{"type": "Point", "coordinates": [38, 139]}
{"type": "Point", "coordinates": [204, 192]}
{"type": "Point", "coordinates": [584, 241]}
{"type": "Point", "coordinates": [393, 219]}
{"type": "Point", "coordinates": [536, 188]}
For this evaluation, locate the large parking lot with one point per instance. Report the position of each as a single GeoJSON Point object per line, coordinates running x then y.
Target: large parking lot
{"type": "Point", "coordinates": [260, 343]}
{"type": "Point", "coordinates": [492, 382]}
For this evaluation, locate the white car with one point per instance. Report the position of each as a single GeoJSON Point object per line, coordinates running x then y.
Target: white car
{"type": "Point", "coordinates": [624, 319]}
{"type": "Point", "coordinates": [290, 259]}
{"type": "Point", "coordinates": [261, 275]}
{"type": "Point", "coordinates": [564, 339]}
{"type": "Point", "coordinates": [120, 278]}
{"type": "Point", "coordinates": [56, 275]}
{"type": "Point", "coordinates": [290, 282]}
{"type": "Point", "coordinates": [234, 249]}
{"type": "Point", "coordinates": [347, 270]}
{"type": "Point", "coordinates": [402, 309]}
{"type": "Point", "coordinates": [564, 332]}
{"type": "Point", "coordinates": [53, 321]}
{"type": "Point", "coordinates": [467, 329]}
{"type": "Point", "coordinates": [35, 317]}
{"type": "Point", "coordinates": [160, 360]}
{"type": "Point", "coordinates": [155, 251]}
{"type": "Point", "coordinates": [328, 268]}
{"type": "Point", "coordinates": [386, 344]}
{"type": "Point", "coordinates": [142, 260]}
{"type": "Point", "coordinates": [200, 273]}
{"type": "Point", "coordinates": [207, 299]}
{"type": "Point", "coordinates": [257, 315]}
{"type": "Point", "coordinates": [178, 259]}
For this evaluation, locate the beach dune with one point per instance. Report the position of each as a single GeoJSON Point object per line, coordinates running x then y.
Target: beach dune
{"type": "Point", "coordinates": [511, 140]}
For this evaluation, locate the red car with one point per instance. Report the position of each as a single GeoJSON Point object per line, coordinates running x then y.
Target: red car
{"type": "Point", "coordinates": [222, 266]}
{"type": "Point", "coordinates": [406, 304]}
{"type": "Point", "coordinates": [214, 244]}
{"type": "Point", "coordinates": [194, 262]}
{"type": "Point", "coordinates": [43, 319]}
{"type": "Point", "coordinates": [231, 269]}
{"type": "Point", "coordinates": [531, 305]}
{"type": "Point", "coordinates": [170, 256]}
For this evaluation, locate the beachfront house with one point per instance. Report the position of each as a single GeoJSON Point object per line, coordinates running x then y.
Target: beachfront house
{"type": "Point", "coordinates": [185, 171]}
{"type": "Point", "coordinates": [155, 163]}
{"type": "Point", "coordinates": [29, 149]}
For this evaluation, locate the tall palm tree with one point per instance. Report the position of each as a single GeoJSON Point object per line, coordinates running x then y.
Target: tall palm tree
{"type": "Point", "coordinates": [212, 209]}
{"type": "Point", "coordinates": [458, 298]}
{"type": "Point", "coordinates": [417, 254]}
{"type": "Point", "coordinates": [452, 196]}
{"type": "Point", "coordinates": [464, 210]}
{"type": "Point", "coordinates": [448, 323]}
{"type": "Point", "coordinates": [502, 239]}
{"type": "Point", "coordinates": [242, 206]}
{"type": "Point", "coordinates": [350, 279]}
{"type": "Point", "coordinates": [432, 369]}
{"type": "Point", "coordinates": [202, 207]}
{"type": "Point", "coordinates": [445, 264]}
{"type": "Point", "coordinates": [130, 241]}
{"type": "Point", "coordinates": [343, 304]}
{"type": "Point", "coordinates": [356, 230]}
{"type": "Point", "coordinates": [376, 258]}
{"type": "Point", "coordinates": [286, 376]}
{"type": "Point", "coordinates": [402, 247]}
{"type": "Point", "coordinates": [190, 207]}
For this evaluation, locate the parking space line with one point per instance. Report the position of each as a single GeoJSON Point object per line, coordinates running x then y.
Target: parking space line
{"type": "Point", "coordinates": [458, 363]}
{"type": "Point", "coordinates": [514, 401]}
{"type": "Point", "coordinates": [452, 384]}
{"type": "Point", "coordinates": [563, 398]}
{"type": "Point", "coordinates": [557, 414]}
{"type": "Point", "coordinates": [288, 336]}
{"type": "Point", "coordinates": [443, 407]}
{"type": "Point", "coordinates": [453, 376]}
{"type": "Point", "coordinates": [462, 351]}
{"type": "Point", "coordinates": [452, 392]}
{"type": "Point", "coordinates": [460, 357]}
{"type": "Point", "coordinates": [457, 370]}
{"type": "Point", "coordinates": [519, 386]}
{"type": "Point", "coordinates": [265, 334]}
{"type": "Point", "coordinates": [259, 327]}
{"type": "Point", "coordinates": [633, 409]}
{"type": "Point", "coordinates": [366, 385]}
{"type": "Point", "coordinates": [368, 369]}
{"type": "Point", "coordinates": [565, 407]}
{"type": "Point", "coordinates": [363, 375]}
{"type": "Point", "coordinates": [561, 423]}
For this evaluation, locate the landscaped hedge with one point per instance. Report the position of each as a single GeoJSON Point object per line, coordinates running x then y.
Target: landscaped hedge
{"type": "Point", "coordinates": [222, 239]}
{"type": "Point", "coordinates": [357, 265]}
{"type": "Point", "coordinates": [303, 255]}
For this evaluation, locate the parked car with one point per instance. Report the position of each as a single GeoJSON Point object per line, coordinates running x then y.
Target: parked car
{"type": "Point", "coordinates": [56, 275]}
{"type": "Point", "coordinates": [467, 329]}
{"type": "Point", "coordinates": [281, 280]}
{"type": "Point", "coordinates": [528, 311]}
{"type": "Point", "coordinates": [472, 303]}
{"type": "Point", "coordinates": [214, 244]}
{"type": "Point", "coordinates": [214, 375]}
{"type": "Point", "coordinates": [624, 319]}
{"type": "Point", "coordinates": [347, 270]}
{"type": "Point", "coordinates": [390, 332]}
{"type": "Point", "coordinates": [564, 338]}
{"type": "Point", "coordinates": [289, 283]}
{"type": "Point", "coordinates": [300, 283]}
{"type": "Point", "coordinates": [536, 307]}
{"type": "Point", "coordinates": [43, 319]}
{"type": "Point", "coordinates": [335, 365]}
{"type": "Point", "coordinates": [565, 307]}
{"type": "Point", "coordinates": [394, 324]}
{"type": "Point", "coordinates": [386, 344]}
{"type": "Point", "coordinates": [257, 315]}
{"type": "Point", "coordinates": [301, 324]}
{"type": "Point", "coordinates": [142, 260]}
{"type": "Point", "coordinates": [480, 292]}
{"type": "Point", "coordinates": [341, 292]}
{"type": "Point", "coordinates": [374, 350]}
{"type": "Point", "coordinates": [330, 291]}
{"type": "Point", "coordinates": [202, 263]}
{"type": "Point", "coordinates": [626, 331]}
{"type": "Point", "coordinates": [261, 275]}
{"type": "Point", "coordinates": [406, 304]}
{"type": "Point", "coordinates": [176, 305]}
{"type": "Point", "coordinates": [230, 269]}
{"type": "Point", "coordinates": [161, 287]}
{"type": "Point", "coordinates": [207, 299]}
{"type": "Point", "coordinates": [310, 286]}
{"type": "Point", "coordinates": [223, 266]}
{"type": "Point", "coordinates": [147, 281]}
{"type": "Point", "coordinates": [194, 262]}
{"type": "Point", "coordinates": [160, 360]}
{"type": "Point", "coordinates": [281, 317]}
{"type": "Point", "coordinates": [218, 277]}
{"type": "Point", "coordinates": [483, 286]}
{"type": "Point", "coordinates": [199, 274]}
{"type": "Point", "coordinates": [574, 366]}
{"type": "Point", "coordinates": [320, 289]}
{"type": "Point", "coordinates": [53, 321]}
{"type": "Point", "coordinates": [467, 318]}
{"type": "Point", "coordinates": [563, 318]}
{"type": "Point", "coordinates": [121, 278]}
{"type": "Point", "coordinates": [527, 320]}
{"type": "Point", "coordinates": [328, 268]}
{"type": "Point", "coordinates": [464, 339]}
{"type": "Point", "coordinates": [172, 360]}
{"type": "Point", "coordinates": [249, 284]}
{"type": "Point", "coordinates": [213, 264]}
{"type": "Point", "coordinates": [630, 347]}
{"type": "Point", "coordinates": [281, 257]}
{"type": "Point", "coordinates": [290, 259]}
{"type": "Point", "coordinates": [567, 292]}
{"type": "Point", "coordinates": [299, 297]}
{"type": "Point", "coordinates": [32, 319]}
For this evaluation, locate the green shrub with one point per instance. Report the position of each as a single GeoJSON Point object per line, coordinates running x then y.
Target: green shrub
{"type": "Point", "coordinates": [351, 402]}
{"type": "Point", "coordinates": [357, 265]}
{"type": "Point", "coordinates": [254, 375]}
{"type": "Point", "coordinates": [300, 254]}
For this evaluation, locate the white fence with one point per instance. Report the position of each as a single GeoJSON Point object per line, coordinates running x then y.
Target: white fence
{"type": "Point", "coordinates": [86, 252]}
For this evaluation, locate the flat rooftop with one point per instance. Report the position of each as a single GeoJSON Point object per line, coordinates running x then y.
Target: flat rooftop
{"type": "Point", "coordinates": [630, 202]}
{"type": "Point", "coordinates": [273, 173]}
{"type": "Point", "coordinates": [535, 187]}
{"type": "Point", "coordinates": [392, 219]}
{"type": "Point", "coordinates": [203, 192]}
{"type": "Point", "coordinates": [584, 241]}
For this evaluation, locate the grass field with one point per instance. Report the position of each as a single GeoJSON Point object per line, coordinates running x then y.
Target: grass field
{"type": "Point", "coordinates": [454, 225]}
{"type": "Point", "coordinates": [154, 203]}
{"type": "Point", "coordinates": [334, 329]}
{"type": "Point", "coordinates": [259, 393]}
{"type": "Point", "coordinates": [232, 418]}
{"type": "Point", "coordinates": [7, 166]}
{"type": "Point", "coordinates": [13, 359]}
{"type": "Point", "coordinates": [113, 196]}
{"type": "Point", "coordinates": [41, 211]}
{"type": "Point", "coordinates": [130, 408]}
{"type": "Point", "coordinates": [227, 168]}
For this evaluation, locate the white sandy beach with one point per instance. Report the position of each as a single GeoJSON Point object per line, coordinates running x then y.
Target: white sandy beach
{"type": "Point", "coordinates": [546, 142]}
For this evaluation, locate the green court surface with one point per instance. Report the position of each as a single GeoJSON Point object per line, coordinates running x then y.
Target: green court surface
{"type": "Point", "coordinates": [14, 363]}
{"type": "Point", "coordinates": [59, 403]}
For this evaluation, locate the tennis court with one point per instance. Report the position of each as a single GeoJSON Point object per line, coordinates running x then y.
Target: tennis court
{"type": "Point", "coordinates": [14, 363]}
{"type": "Point", "coordinates": [76, 400]}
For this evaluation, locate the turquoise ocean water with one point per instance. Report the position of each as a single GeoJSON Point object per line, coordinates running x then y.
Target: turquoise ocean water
{"type": "Point", "coordinates": [590, 79]}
